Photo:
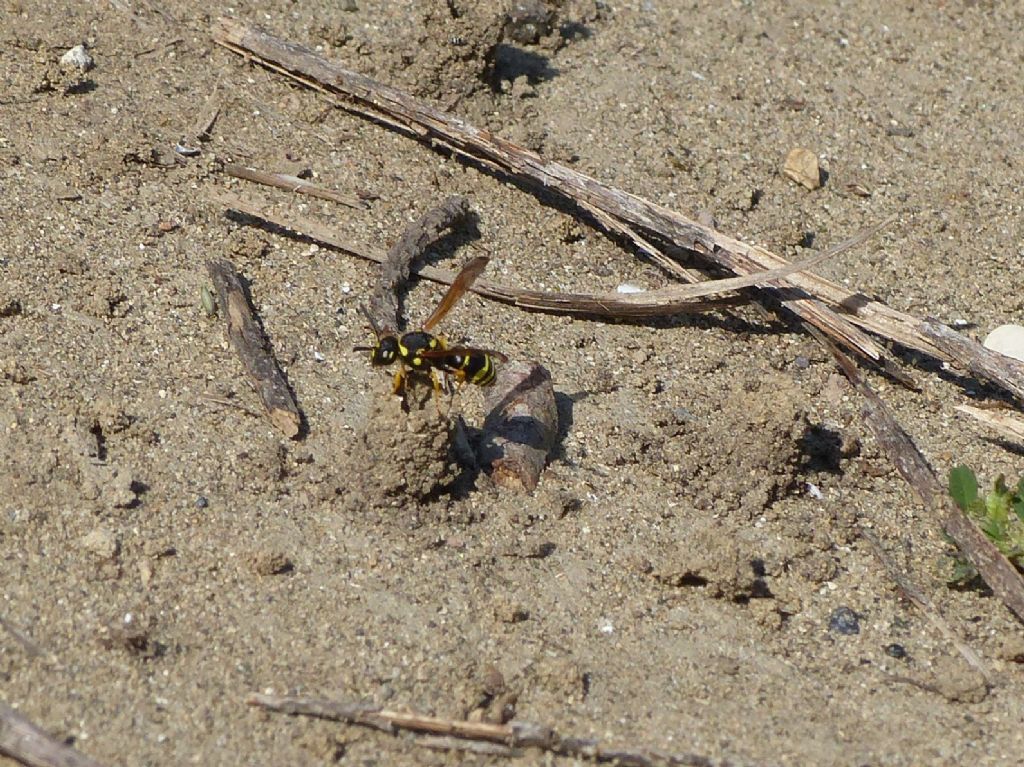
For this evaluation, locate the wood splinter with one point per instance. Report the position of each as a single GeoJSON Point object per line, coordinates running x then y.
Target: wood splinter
{"type": "Point", "coordinates": [253, 348]}
{"type": "Point", "coordinates": [291, 184]}
{"type": "Point", "coordinates": [521, 425]}
{"type": "Point", "coordinates": [25, 742]}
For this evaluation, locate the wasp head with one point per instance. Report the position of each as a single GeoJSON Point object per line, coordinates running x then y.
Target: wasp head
{"type": "Point", "coordinates": [385, 352]}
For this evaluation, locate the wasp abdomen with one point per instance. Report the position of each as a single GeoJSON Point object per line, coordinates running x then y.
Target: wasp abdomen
{"type": "Point", "coordinates": [477, 367]}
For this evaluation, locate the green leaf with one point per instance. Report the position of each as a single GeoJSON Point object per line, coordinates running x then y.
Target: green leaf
{"type": "Point", "coordinates": [997, 504]}
{"type": "Point", "coordinates": [963, 486]}
{"type": "Point", "coordinates": [963, 573]}
{"type": "Point", "coordinates": [1018, 507]}
{"type": "Point", "coordinates": [993, 529]}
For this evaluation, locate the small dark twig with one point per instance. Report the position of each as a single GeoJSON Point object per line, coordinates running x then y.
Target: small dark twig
{"type": "Point", "coordinates": [912, 592]}
{"type": "Point", "coordinates": [253, 348]}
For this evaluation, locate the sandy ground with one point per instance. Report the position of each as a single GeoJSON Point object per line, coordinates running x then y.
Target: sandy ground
{"type": "Point", "coordinates": [671, 582]}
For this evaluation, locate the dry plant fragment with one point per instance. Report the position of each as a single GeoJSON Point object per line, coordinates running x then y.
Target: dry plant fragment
{"type": "Point", "coordinates": [291, 184]}
{"type": "Point", "coordinates": [521, 425]}
{"type": "Point", "coordinates": [1008, 423]}
{"type": "Point", "coordinates": [253, 348]}
{"type": "Point", "coordinates": [507, 739]}
{"type": "Point", "coordinates": [24, 742]}
{"type": "Point", "coordinates": [802, 167]}
{"type": "Point", "coordinates": [664, 302]}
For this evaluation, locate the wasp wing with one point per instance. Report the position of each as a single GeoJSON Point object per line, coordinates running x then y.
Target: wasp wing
{"type": "Point", "coordinates": [458, 287]}
{"type": "Point", "coordinates": [465, 351]}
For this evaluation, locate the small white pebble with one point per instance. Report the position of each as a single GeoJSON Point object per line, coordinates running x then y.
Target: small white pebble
{"type": "Point", "coordinates": [319, 357]}
{"type": "Point", "coordinates": [1007, 340]}
{"type": "Point", "coordinates": [607, 628]}
{"type": "Point", "coordinates": [627, 287]}
{"type": "Point", "coordinates": [77, 58]}
{"type": "Point", "coordinates": [814, 491]}
{"type": "Point", "coordinates": [346, 288]}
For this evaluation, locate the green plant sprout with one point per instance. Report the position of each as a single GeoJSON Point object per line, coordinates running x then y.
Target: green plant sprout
{"type": "Point", "coordinates": [1000, 514]}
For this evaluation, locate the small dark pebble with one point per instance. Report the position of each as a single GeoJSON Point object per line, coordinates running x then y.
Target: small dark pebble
{"type": "Point", "coordinates": [896, 650]}
{"type": "Point", "coordinates": [801, 363]}
{"type": "Point", "coordinates": [201, 502]}
{"type": "Point", "coordinates": [844, 621]}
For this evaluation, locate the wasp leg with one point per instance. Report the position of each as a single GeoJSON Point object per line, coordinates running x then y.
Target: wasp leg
{"type": "Point", "coordinates": [398, 386]}
{"type": "Point", "coordinates": [438, 389]}
{"type": "Point", "coordinates": [446, 381]}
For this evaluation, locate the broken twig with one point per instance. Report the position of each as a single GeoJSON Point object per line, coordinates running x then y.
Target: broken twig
{"type": "Point", "coordinates": [512, 735]}
{"type": "Point", "coordinates": [996, 367]}
{"type": "Point", "coordinates": [253, 348]}
{"type": "Point", "coordinates": [669, 301]}
{"type": "Point", "coordinates": [1007, 422]}
{"type": "Point", "coordinates": [24, 742]}
{"type": "Point", "coordinates": [363, 95]}
{"type": "Point", "coordinates": [924, 604]}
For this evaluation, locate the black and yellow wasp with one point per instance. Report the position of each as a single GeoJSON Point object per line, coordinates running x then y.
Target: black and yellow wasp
{"type": "Point", "coordinates": [423, 352]}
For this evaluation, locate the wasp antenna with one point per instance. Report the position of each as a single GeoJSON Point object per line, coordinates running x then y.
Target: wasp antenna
{"type": "Point", "coordinates": [373, 325]}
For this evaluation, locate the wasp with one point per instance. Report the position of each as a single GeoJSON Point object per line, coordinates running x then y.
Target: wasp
{"type": "Point", "coordinates": [423, 352]}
